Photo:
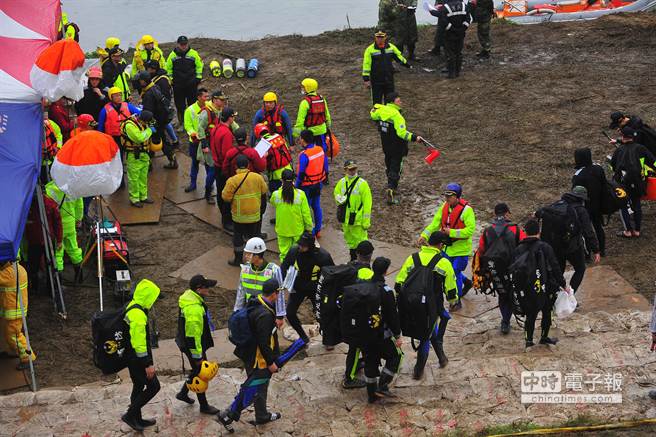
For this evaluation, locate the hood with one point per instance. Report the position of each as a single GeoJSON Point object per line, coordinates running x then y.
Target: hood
{"type": "Point", "coordinates": [365, 274]}
{"type": "Point", "coordinates": [572, 198]}
{"type": "Point", "coordinates": [146, 293]}
{"type": "Point", "coordinates": [188, 298]}
{"type": "Point", "coordinates": [582, 157]}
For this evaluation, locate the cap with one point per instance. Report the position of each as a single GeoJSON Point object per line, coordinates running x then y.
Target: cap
{"type": "Point", "coordinates": [241, 161]}
{"type": "Point", "coordinates": [439, 237]}
{"type": "Point", "coordinates": [227, 113]}
{"type": "Point", "coordinates": [152, 64]}
{"type": "Point", "coordinates": [287, 175]}
{"type": "Point", "coordinates": [200, 281]}
{"type": "Point", "coordinates": [390, 97]}
{"type": "Point", "coordinates": [146, 115]}
{"type": "Point", "coordinates": [183, 40]}
{"type": "Point", "coordinates": [115, 51]}
{"type": "Point", "coordinates": [501, 209]}
{"type": "Point", "coordinates": [86, 120]}
{"type": "Point", "coordinates": [629, 132]}
{"type": "Point", "coordinates": [380, 265]}
{"type": "Point", "coordinates": [365, 248]}
{"type": "Point", "coordinates": [615, 119]}
{"type": "Point", "coordinates": [306, 240]}
{"type": "Point", "coordinates": [453, 189]}
{"type": "Point", "coordinates": [219, 95]}
{"type": "Point", "coordinates": [269, 286]}
{"type": "Point", "coordinates": [580, 192]}
{"type": "Point", "coordinates": [240, 134]}
{"type": "Point", "coordinates": [350, 164]}
{"type": "Point", "coordinates": [380, 33]}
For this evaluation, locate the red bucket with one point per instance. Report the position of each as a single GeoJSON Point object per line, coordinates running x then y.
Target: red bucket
{"type": "Point", "coordinates": [432, 156]}
{"type": "Point", "coordinates": [651, 189]}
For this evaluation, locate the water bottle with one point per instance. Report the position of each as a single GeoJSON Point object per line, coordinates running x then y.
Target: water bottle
{"type": "Point", "coordinates": [227, 68]}
{"type": "Point", "coordinates": [253, 66]}
{"type": "Point", "coordinates": [240, 68]}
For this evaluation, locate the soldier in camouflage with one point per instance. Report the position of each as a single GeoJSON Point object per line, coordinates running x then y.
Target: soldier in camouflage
{"type": "Point", "coordinates": [397, 19]}
{"type": "Point", "coordinates": [387, 17]}
{"type": "Point", "coordinates": [483, 15]}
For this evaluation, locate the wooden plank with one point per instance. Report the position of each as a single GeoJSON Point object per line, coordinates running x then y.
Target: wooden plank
{"type": "Point", "coordinates": [603, 289]}
{"type": "Point", "coordinates": [179, 179]}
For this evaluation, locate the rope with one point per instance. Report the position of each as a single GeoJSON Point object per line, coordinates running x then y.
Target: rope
{"type": "Point", "coordinates": [620, 425]}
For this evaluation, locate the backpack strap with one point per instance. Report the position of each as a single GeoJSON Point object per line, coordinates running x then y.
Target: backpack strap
{"type": "Point", "coordinates": [349, 190]}
{"type": "Point", "coordinates": [136, 305]}
{"type": "Point", "coordinates": [416, 260]}
{"type": "Point", "coordinates": [433, 262]}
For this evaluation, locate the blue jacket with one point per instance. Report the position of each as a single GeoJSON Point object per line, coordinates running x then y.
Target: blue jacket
{"type": "Point", "coordinates": [103, 115]}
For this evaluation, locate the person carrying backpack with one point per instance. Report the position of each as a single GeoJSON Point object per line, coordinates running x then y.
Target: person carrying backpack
{"type": "Point", "coordinates": [631, 163]}
{"type": "Point", "coordinates": [536, 278]}
{"type": "Point", "coordinates": [424, 277]}
{"type": "Point", "coordinates": [194, 336]}
{"type": "Point", "coordinates": [456, 218]}
{"type": "Point", "coordinates": [495, 250]}
{"type": "Point", "coordinates": [593, 178]}
{"type": "Point", "coordinates": [145, 384]}
{"type": "Point", "coordinates": [645, 134]}
{"type": "Point", "coordinates": [566, 226]}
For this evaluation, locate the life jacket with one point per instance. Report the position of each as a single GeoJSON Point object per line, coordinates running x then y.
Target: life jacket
{"type": "Point", "coordinates": [316, 115]}
{"type": "Point", "coordinates": [49, 147]}
{"type": "Point", "coordinates": [453, 219]}
{"type": "Point", "coordinates": [315, 172]}
{"type": "Point", "coordinates": [114, 119]}
{"type": "Point", "coordinates": [279, 155]}
{"type": "Point", "coordinates": [273, 120]}
{"type": "Point", "coordinates": [212, 120]}
{"type": "Point", "coordinates": [127, 142]}
{"type": "Point", "coordinates": [252, 280]}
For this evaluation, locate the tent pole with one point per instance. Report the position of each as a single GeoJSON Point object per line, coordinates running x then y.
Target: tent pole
{"type": "Point", "coordinates": [99, 251]}
{"type": "Point", "coordinates": [19, 294]}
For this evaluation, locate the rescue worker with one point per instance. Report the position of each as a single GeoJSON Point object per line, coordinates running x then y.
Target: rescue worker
{"type": "Point", "coordinates": [94, 96]}
{"type": "Point", "coordinates": [185, 68]}
{"type": "Point", "coordinates": [394, 136]}
{"type": "Point", "coordinates": [353, 198]}
{"type": "Point", "coordinates": [208, 119]}
{"type": "Point", "coordinates": [259, 359]}
{"type": "Point", "coordinates": [85, 122]}
{"type": "Point", "coordinates": [153, 100]}
{"type": "Point", "coordinates": [313, 113]}
{"type": "Point", "coordinates": [256, 163]}
{"type": "Point", "coordinates": [483, 13]}
{"type": "Point", "coordinates": [219, 103]}
{"type": "Point", "coordinates": [11, 319]}
{"type": "Point", "coordinates": [221, 139]}
{"type": "Point", "coordinates": [145, 384]}
{"type": "Point", "coordinates": [255, 271]}
{"type": "Point", "coordinates": [191, 117]}
{"type": "Point", "coordinates": [245, 192]}
{"type": "Point", "coordinates": [114, 114]}
{"type": "Point", "coordinates": [293, 215]}
{"type": "Point", "coordinates": [52, 142]}
{"type": "Point", "coordinates": [456, 218]}
{"type": "Point", "coordinates": [542, 299]}
{"type": "Point", "coordinates": [274, 116]}
{"type": "Point", "coordinates": [160, 78]}
{"type": "Point", "coordinates": [194, 336]}
{"type": "Point", "coordinates": [454, 20]}
{"type": "Point", "coordinates": [307, 259]}
{"type": "Point", "coordinates": [438, 39]}
{"type": "Point", "coordinates": [377, 67]}
{"type": "Point", "coordinates": [59, 113]}
{"type": "Point", "coordinates": [71, 212]}
{"type": "Point", "coordinates": [103, 53]}
{"type": "Point", "coordinates": [645, 135]}
{"type": "Point", "coordinates": [502, 228]}
{"type": "Point", "coordinates": [312, 170]}
{"type": "Point", "coordinates": [445, 286]}
{"type": "Point", "coordinates": [147, 49]}
{"type": "Point", "coordinates": [35, 239]}
{"type": "Point", "coordinates": [68, 30]}
{"type": "Point", "coordinates": [278, 157]}
{"type": "Point", "coordinates": [136, 137]}
{"type": "Point", "coordinates": [632, 163]}
{"type": "Point", "coordinates": [114, 75]}
{"type": "Point", "coordinates": [406, 27]}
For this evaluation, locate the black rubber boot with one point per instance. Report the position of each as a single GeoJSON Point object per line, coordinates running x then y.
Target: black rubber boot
{"type": "Point", "coordinates": [411, 53]}
{"type": "Point", "coordinates": [131, 419]}
{"type": "Point", "coordinates": [372, 388]}
{"type": "Point", "coordinates": [183, 395]}
{"type": "Point", "coordinates": [208, 196]}
{"type": "Point", "coordinates": [205, 407]}
{"type": "Point", "coordinates": [145, 422]}
{"type": "Point", "coordinates": [441, 356]}
{"type": "Point", "coordinates": [458, 65]}
{"type": "Point", "coordinates": [419, 367]}
{"type": "Point", "coordinates": [451, 66]}
{"type": "Point", "coordinates": [237, 261]}
{"type": "Point", "coordinates": [224, 419]}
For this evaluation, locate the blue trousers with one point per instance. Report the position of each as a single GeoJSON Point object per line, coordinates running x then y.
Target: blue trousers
{"type": "Point", "coordinates": [171, 133]}
{"type": "Point", "coordinates": [459, 264]}
{"type": "Point", "coordinates": [436, 337]}
{"type": "Point", "coordinates": [195, 165]}
{"type": "Point", "coordinates": [313, 194]}
{"type": "Point", "coordinates": [320, 140]}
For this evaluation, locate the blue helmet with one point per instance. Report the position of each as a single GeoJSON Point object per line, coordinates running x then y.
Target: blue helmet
{"type": "Point", "coordinates": [453, 189]}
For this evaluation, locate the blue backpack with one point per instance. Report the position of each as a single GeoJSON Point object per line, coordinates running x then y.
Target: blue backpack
{"type": "Point", "coordinates": [239, 328]}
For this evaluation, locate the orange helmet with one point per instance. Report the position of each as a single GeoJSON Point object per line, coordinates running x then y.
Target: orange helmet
{"type": "Point", "coordinates": [260, 129]}
{"type": "Point", "coordinates": [84, 121]}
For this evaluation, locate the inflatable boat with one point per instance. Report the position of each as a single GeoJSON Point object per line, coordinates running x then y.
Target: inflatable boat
{"type": "Point", "coordinates": [532, 11]}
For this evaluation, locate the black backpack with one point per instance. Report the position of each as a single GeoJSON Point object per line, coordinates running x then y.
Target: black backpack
{"type": "Point", "coordinates": [361, 314]}
{"type": "Point", "coordinates": [528, 274]}
{"type": "Point", "coordinates": [500, 243]}
{"type": "Point", "coordinates": [628, 171]}
{"type": "Point", "coordinates": [111, 339]}
{"type": "Point", "coordinates": [419, 301]}
{"type": "Point", "coordinates": [330, 288]}
{"type": "Point", "coordinates": [613, 197]}
{"type": "Point", "coordinates": [560, 224]}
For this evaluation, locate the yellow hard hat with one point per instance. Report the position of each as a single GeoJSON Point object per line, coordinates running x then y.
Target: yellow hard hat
{"type": "Point", "coordinates": [208, 370]}
{"type": "Point", "coordinates": [112, 42]}
{"type": "Point", "coordinates": [147, 39]}
{"type": "Point", "coordinates": [270, 97]}
{"type": "Point", "coordinates": [114, 90]}
{"type": "Point", "coordinates": [309, 85]}
{"type": "Point", "coordinates": [197, 385]}
{"type": "Point", "coordinates": [156, 147]}
{"type": "Point", "coordinates": [215, 68]}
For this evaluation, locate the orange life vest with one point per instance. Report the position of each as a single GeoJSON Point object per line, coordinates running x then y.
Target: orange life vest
{"type": "Point", "coordinates": [273, 120]}
{"type": "Point", "coordinates": [113, 119]}
{"type": "Point", "coordinates": [212, 120]}
{"type": "Point", "coordinates": [315, 172]}
{"type": "Point", "coordinates": [279, 155]}
{"type": "Point", "coordinates": [316, 115]}
{"type": "Point", "coordinates": [453, 219]}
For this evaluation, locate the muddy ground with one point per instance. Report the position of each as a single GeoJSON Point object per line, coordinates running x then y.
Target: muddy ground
{"type": "Point", "coordinates": [507, 130]}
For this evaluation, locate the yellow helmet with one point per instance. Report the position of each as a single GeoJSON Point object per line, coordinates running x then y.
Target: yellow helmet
{"type": "Point", "coordinates": [147, 39]}
{"type": "Point", "coordinates": [114, 90]}
{"type": "Point", "coordinates": [197, 385]}
{"type": "Point", "coordinates": [309, 85]}
{"type": "Point", "coordinates": [156, 147]}
{"type": "Point", "coordinates": [270, 97]}
{"type": "Point", "coordinates": [215, 68]}
{"type": "Point", "coordinates": [208, 370]}
{"type": "Point", "coordinates": [112, 42]}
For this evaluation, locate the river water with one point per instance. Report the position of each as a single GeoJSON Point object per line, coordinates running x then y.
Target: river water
{"type": "Point", "coordinates": [236, 20]}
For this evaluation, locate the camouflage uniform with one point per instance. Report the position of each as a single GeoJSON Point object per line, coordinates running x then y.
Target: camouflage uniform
{"type": "Point", "coordinates": [483, 15]}
{"type": "Point", "coordinates": [406, 26]}
{"type": "Point", "coordinates": [387, 16]}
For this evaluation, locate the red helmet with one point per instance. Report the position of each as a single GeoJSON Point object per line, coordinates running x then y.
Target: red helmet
{"type": "Point", "coordinates": [85, 121]}
{"type": "Point", "coordinates": [260, 129]}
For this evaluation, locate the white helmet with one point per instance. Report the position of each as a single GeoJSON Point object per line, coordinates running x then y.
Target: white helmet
{"type": "Point", "coordinates": [255, 245]}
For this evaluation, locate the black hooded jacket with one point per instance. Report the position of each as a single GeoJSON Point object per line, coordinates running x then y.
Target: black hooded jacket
{"type": "Point", "coordinates": [91, 103]}
{"type": "Point", "coordinates": [585, 225]}
{"type": "Point", "coordinates": [592, 177]}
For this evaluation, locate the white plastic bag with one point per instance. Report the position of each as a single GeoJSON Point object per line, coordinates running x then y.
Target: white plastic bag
{"type": "Point", "coordinates": [565, 304]}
